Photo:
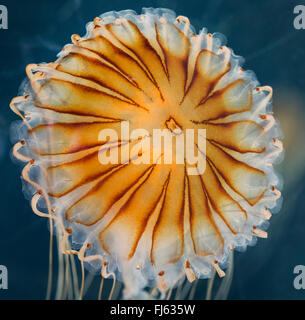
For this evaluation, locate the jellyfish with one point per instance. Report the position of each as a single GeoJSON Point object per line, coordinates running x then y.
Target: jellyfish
{"type": "Point", "coordinates": [141, 219]}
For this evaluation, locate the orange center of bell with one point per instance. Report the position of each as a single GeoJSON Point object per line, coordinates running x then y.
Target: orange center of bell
{"type": "Point", "coordinates": [173, 126]}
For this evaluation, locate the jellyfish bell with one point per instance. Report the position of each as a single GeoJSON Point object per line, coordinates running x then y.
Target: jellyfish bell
{"type": "Point", "coordinates": [149, 224]}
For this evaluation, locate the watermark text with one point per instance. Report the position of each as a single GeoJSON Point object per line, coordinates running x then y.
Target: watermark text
{"type": "Point", "coordinates": [299, 20]}
{"type": "Point", "coordinates": [161, 146]}
{"type": "Point", "coordinates": [299, 280]}
{"type": "Point", "coordinates": [3, 277]}
{"type": "Point", "coordinates": [3, 17]}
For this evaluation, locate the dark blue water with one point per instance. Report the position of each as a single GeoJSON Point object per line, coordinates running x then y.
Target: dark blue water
{"type": "Point", "coordinates": [261, 31]}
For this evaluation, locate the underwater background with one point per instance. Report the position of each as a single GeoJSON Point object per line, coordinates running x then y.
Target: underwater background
{"type": "Point", "coordinates": [261, 31]}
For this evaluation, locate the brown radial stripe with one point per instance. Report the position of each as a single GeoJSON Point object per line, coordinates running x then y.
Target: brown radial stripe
{"type": "Point", "coordinates": [137, 38]}
{"type": "Point", "coordinates": [216, 194]}
{"type": "Point", "coordinates": [202, 84]}
{"type": "Point", "coordinates": [123, 62]}
{"type": "Point", "coordinates": [85, 67]}
{"type": "Point", "coordinates": [78, 136]}
{"type": "Point", "coordinates": [141, 42]}
{"type": "Point", "coordinates": [176, 66]}
{"type": "Point", "coordinates": [78, 173]}
{"type": "Point", "coordinates": [146, 54]}
{"type": "Point", "coordinates": [96, 203]}
{"type": "Point", "coordinates": [130, 222]}
{"type": "Point", "coordinates": [86, 169]}
{"type": "Point", "coordinates": [216, 106]}
{"type": "Point", "coordinates": [71, 98]}
{"type": "Point", "coordinates": [226, 164]}
{"type": "Point", "coordinates": [168, 233]}
{"type": "Point", "coordinates": [203, 226]}
{"type": "Point", "coordinates": [88, 47]}
{"type": "Point", "coordinates": [223, 134]}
